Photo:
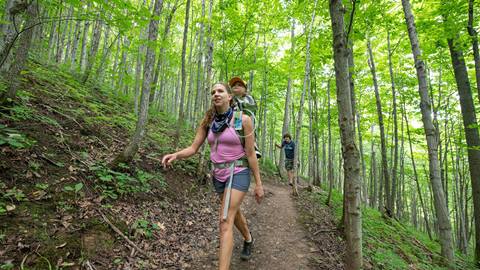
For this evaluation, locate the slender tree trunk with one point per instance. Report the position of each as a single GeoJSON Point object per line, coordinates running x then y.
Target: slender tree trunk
{"type": "Point", "coordinates": [462, 234]}
{"type": "Point", "coordinates": [199, 83]}
{"type": "Point", "coordinates": [97, 32]}
{"type": "Point", "coordinates": [373, 179]}
{"type": "Point", "coordinates": [11, 35]}
{"type": "Point", "coordinates": [391, 205]}
{"type": "Point", "coordinates": [181, 116]}
{"type": "Point", "coordinates": [353, 213]}
{"type": "Point", "coordinates": [132, 147]}
{"type": "Point", "coordinates": [160, 62]}
{"type": "Point", "coordinates": [288, 97]}
{"type": "Point", "coordinates": [202, 168]}
{"type": "Point", "coordinates": [83, 52]}
{"type": "Point", "coordinates": [76, 40]}
{"type": "Point", "coordinates": [138, 67]}
{"type": "Point", "coordinates": [476, 54]}
{"type": "Point", "coordinates": [439, 197]}
{"type": "Point", "coordinates": [330, 154]}
{"type": "Point", "coordinates": [69, 37]}
{"type": "Point", "coordinates": [302, 100]}
{"type": "Point", "coordinates": [415, 174]}
{"type": "Point", "coordinates": [386, 177]}
{"type": "Point", "coordinates": [471, 134]}
{"type": "Point", "coordinates": [13, 76]}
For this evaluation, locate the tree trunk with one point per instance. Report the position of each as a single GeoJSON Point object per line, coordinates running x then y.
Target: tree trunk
{"type": "Point", "coordinates": [76, 40]}
{"type": "Point", "coordinates": [422, 204]}
{"type": "Point", "coordinates": [471, 134]}
{"type": "Point", "coordinates": [353, 213]}
{"type": "Point", "coordinates": [13, 76]}
{"type": "Point", "coordinates": [199, 82]}
{"type": "Point", "coordinates": [11, 35]}
{"type": "Point", "coordinates": [132, 148]}
{"type": "Point", "coordinates": [288, 97]}
{"type": "Point", "coordinates": [386, 177]}
{"type": "Point", "coordinates": [302, 101]}
{"type": "Point", "coordinates": [439, 197]}
{"type": "Point", "coordinates": [330, 153]}
{"type": "Point", "coordinates": [160, 62]}
{"type": "Point", "coordinates": [97, 32]}
{"type": "Point", "coordinates": [138, 67]}
{"type": "Point", "coordinates": [202, 164]}
{"type": "Point", "coordinates": [83, 52]}
{"type": "Point", "coordinates": [473, 35]}
{"type": "Point", "coordinates": [181, 115]}
{"type": "Point", "coordinates": [391, 204]}
{"type": "Point", "coordinates": [69, 36]}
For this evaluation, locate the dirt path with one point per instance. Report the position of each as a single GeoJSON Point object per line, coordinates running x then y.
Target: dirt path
{"type": "Point", "coordinates": [280, 241]}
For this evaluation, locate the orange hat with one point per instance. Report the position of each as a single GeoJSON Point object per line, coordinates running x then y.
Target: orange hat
{"type": "Point", "coordinates": [236, 79]}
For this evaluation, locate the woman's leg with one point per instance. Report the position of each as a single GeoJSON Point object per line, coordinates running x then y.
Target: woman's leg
{"type": "Point", "coordinates": [226, 228]}
{"type": "Point", "coordinates": [241, 224]}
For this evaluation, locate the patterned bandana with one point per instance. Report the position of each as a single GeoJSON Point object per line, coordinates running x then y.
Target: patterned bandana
{"type": "Point", "coordinates": [220, 121]}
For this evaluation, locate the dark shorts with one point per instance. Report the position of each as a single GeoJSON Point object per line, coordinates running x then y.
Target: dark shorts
{"type": "Point", "coordinates": [241, 182]}
{"type": "Point", "coordinates": [288, 164]}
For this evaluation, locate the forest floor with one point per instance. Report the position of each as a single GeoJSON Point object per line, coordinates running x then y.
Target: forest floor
{"type": "Point", "coordinates": [281, 241]}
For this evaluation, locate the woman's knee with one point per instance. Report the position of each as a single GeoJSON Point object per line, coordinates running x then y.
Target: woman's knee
{"type": "Point", "coordinates": [226, 226]}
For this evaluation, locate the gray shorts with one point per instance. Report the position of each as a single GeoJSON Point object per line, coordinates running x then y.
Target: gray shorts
{"type": "Point", "coordinates": [241, 182]}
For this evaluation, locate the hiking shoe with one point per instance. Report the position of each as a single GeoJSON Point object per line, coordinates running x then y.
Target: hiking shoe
{"type": "Point", "coordinates": [247, 250]}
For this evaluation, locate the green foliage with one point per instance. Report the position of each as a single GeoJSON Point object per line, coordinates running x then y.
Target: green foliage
{"type": "Point", "coordinates": [389, 244]}
{"type": "Point", "coordinates": [74, 188]}
{"type": "Point", "coordinates": [144, 227]}
{"type": "Point", "coordinates": [7, 266]}
{"type": "Point", "coordinates": [13, 138]}
{"type": "Point", "coordinates": [268, 166]}
{"type": "Point", "coordinates": [14, 194]}
{"type": "Point", "coordinates": [41, 186]}
{"type": "Point", "coordinates": [114, 184]}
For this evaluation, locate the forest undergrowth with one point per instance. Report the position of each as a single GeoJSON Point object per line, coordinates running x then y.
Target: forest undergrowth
{"type": "Point", "coordinates": [62, 207]}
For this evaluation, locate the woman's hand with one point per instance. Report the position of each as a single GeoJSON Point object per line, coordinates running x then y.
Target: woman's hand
{"type": "Point", "coordinates": [259, 193]}
{"type": "Point", "coordinates": [168, 159]}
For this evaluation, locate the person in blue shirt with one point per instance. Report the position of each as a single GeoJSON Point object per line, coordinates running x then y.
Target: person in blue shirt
{"type": "Point", "coordinates": [289, 147]}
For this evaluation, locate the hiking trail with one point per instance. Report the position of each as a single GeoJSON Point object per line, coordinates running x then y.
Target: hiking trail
{"type": "Point", "coordinates": [281, 242]}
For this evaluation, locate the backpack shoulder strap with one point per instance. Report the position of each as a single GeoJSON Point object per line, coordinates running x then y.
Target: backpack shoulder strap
{"type": "Point", "coordinates": [238, 125]}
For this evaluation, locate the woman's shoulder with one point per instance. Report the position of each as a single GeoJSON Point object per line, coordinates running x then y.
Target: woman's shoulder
{"type": "Point", "coordinates": [245, 117]}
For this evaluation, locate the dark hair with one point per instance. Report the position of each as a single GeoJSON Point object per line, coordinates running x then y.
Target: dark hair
{"type": "Point", "coordinates": [287, 135]}
{"type": "Point", "coordinates": [210, 114]}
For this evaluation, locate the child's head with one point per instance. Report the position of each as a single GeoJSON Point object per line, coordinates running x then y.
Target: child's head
{"type": "Point", "coordinates": [239, 88]}
{"type": "Point", "coordinates": [287, 137]}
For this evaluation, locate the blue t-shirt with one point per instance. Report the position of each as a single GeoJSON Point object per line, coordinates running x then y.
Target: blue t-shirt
{"type": "Point", "coordinates": [289, 149]}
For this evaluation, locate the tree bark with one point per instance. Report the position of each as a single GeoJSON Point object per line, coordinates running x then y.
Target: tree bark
{"type": "Point", "coordinates": [288, 96]}
{"type": "Point", "coordinates": [97, 32]}
{"type": "Point", "coordinates": [302, 101]}
{"type": "Point", "coordinates": [439, 197]}
{"type": "Point", "coordinates": [386, 177]}
{"type": "Point", "coordinates": [13, 76]}
{"type": "Point", "coordinates": [391, 203]}
{"type": "Point", "coordinates": [132, 148]}
{"type": "Point", "coordinates": [415, 175]}
{"type": "Point", "coordinates": [353, 213]}
{"type": "Point", "coordinates": [471, 134]}
{"type": "Point", "coordinates": [181, 115]}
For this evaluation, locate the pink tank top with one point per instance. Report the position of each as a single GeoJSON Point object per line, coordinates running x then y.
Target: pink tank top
{"type": "Point", "coordinates": [227, 149]}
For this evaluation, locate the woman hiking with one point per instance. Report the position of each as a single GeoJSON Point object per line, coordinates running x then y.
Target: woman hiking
{"type": "Point", "coordinates": [232, 163]}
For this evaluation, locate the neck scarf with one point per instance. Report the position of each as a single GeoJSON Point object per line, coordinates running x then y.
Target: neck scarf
{"type": "Point", "coordinates": [221, 121]}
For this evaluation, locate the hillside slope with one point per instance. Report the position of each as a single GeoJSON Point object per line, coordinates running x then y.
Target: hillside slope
{"type": "Point", "coordinates": [55, 186]}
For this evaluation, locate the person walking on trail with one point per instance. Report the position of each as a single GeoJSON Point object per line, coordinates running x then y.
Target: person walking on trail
{"type": "Point", "coordinates": [232, 163]}
{"type": "Point", "coordinates": [245, 102]}
{"type": "Point", "coordinates": [289, 147]}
